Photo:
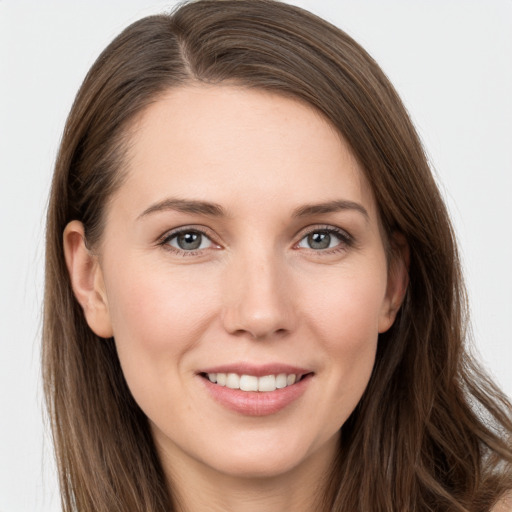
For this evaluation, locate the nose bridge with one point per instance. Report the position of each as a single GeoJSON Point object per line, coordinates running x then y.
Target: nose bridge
{"type": "Point", "coordinates": [258, 300]}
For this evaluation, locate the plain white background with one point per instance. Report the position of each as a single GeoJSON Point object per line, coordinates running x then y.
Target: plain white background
{"type": "Point", "coordinates": [451, 60]}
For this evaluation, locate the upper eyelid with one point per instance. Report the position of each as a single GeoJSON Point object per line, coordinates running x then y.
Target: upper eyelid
{"type": "Point", "coordinates": [323, 227]}
{"type": "Point", "coordinates": [184, 229]}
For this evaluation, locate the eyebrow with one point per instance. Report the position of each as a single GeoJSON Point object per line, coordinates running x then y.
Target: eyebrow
{"type": "Point", "coordinates": [185, 206]}
{"type": "Point", "coordinates": [330, 207]}
{"type": "Point", "coordinates": [215, 210]}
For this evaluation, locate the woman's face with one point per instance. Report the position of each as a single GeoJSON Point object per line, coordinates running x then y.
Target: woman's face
{"type": "Point", "coordinates": [244, 248]}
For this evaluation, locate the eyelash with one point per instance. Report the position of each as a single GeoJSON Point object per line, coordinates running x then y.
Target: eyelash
{"type": "Point", "coordinates": [345, 240]}
{"type": "Point", "coordinates": [166, 239]}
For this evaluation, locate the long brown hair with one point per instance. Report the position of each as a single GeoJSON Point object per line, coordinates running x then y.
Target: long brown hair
{"type": "Point", "coordinates": [431, 432]}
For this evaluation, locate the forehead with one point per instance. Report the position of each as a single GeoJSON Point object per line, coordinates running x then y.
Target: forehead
{"type": "Point", "coordinates": [226, 144]}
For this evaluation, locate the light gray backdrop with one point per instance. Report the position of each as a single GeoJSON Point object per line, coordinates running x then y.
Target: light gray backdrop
{"type": "Point", "coordinates": [451, 60]}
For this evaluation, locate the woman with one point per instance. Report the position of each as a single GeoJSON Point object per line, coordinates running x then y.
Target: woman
{"type": "Point", "coordinates": [253, 297]}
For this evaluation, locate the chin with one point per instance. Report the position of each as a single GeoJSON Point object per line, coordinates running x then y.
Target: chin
{"type": "Point", "coordinates": [268, 459]}
{"type": "Point", "coordinates": [262, 466]}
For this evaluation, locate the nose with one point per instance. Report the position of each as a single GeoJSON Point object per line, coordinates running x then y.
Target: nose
{"type": "Point", "coordinates": [258, 297]}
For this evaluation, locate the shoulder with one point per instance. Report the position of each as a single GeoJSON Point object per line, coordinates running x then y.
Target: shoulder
{"type": "Point", "coordinates": [504, 504]}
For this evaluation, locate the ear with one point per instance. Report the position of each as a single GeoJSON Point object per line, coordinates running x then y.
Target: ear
{"type": "Point", "coordinates": [87, 279]}
{"type": "Point", "coordinates": [398, 280]}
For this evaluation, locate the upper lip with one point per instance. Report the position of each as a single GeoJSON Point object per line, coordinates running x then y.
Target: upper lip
{"type": "Point", "coordinates": [256, 370]}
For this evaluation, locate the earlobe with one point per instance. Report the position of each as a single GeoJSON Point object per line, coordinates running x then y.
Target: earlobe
{"type": "Point", "coordinates": [86, 279]}
{"type": "Point", "coordinates": [398, 281]}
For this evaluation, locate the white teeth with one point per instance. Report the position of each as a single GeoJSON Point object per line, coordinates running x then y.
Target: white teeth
{"type": "Point", "coordinates": [291, 379]}
{"type": "Point", "coordinates": [233, 381]}
{"type": "Point", "coordinates": [248, 383]}
{"type": "Point", "coordinates": [281, 381]}
{"type": "Point", "coordinates": [267, 383]}
{"type": "Point", "coordinates": [253, 383]}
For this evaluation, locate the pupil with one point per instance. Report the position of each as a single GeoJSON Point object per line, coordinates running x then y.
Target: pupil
{"type": "Point", "coordinates": [189, 241]}
{"type": "Point", "coordinates": [319, 240]}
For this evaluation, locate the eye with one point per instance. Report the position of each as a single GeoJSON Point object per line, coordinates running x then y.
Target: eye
{"type": "Point", "coordinates": [322, 239]}
{"type": "Point", "coordinates": [188, 240]}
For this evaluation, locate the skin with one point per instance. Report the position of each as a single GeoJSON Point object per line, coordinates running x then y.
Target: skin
{"type": "Point", "coordinates": [255, 292]}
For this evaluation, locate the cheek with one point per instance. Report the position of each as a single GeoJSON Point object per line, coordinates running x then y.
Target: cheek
{"type": "Point", "coordinates": [348, 304]}
{"type": "Point", "coordinates": [156, 308]}
{"type": "Point", "coordinates": [157, 319]}
{"type": "Point", "coordinates": [350, 338]}
{"type": "Point", "coordinates": [345, 317]}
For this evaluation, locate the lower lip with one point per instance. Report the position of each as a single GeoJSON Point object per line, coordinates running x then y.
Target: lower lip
{"type": "Point", "coordinates": [254, 403]}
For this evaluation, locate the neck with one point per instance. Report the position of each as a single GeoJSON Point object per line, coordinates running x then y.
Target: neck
{"type": "Point", "coordinates": [301, 489]}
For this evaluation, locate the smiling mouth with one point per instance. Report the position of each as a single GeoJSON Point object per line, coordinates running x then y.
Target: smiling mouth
{"type": "Point", "coordinates": [266, 383]}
